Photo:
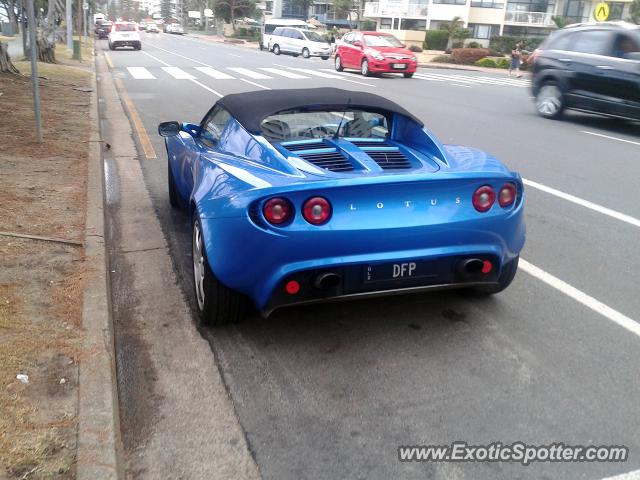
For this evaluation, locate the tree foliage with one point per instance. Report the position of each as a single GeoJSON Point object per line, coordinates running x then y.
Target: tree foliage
{"type": "Point", "coordinates": [342, 7]}
{"type": "Point", "coordinates": [232, 9]}
{"type": "Point", "coordinates": [634, 12]}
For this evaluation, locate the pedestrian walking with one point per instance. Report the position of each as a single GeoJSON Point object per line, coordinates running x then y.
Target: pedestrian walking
{"type": "Point", "coordinates": [516, 59]}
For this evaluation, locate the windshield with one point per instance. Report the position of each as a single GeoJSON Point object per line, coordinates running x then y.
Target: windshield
{"type": "Point", "coordinates": [314, 37]}
{"type": "Point", "coordinates": [382, 41]}
{"type": "Point", "coordinates": [287, 126]}
{"type": "Point", "coordinates": [125, 27]}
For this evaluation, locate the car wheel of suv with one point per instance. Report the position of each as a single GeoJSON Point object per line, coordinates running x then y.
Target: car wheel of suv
{"type": "Point", "coordinates": [138, 46]}
{"type": "Point", "coordinates": [364, 68]}
{"type": "Point", "coordinates": [111, 47]}
{"type": "Point", "coordinates": [216, 304]}
{"type": "Point", "coordinates": [325, 58]}
{"type": "Point", "coordinates": [276, 49]}
{"type": "Point", "coordinates": [338, 64]}
{"type": "Point", "coordinates": [506, 277]}
{"type": "Point", "coordinates": [261, 47]}
{"type": "Point", "coordinates": [408, 75]}
{"type": "Point", "coordinates": [305, 53]}
{"type": "Point", "coordinates": [549, 100]}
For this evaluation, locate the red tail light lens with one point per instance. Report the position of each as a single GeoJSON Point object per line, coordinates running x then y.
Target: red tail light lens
{"type": "Point", "coordinates": [316, 210]}
{"type": "Point", "coordinates": [278, 211]}
{"type": "Point", "coordinates": [483, 198]}
{"type": "Point", "coordinates": [507, 195]}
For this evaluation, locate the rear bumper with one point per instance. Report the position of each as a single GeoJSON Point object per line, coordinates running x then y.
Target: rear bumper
{"type": "Point", "coordinates": [262, 262]}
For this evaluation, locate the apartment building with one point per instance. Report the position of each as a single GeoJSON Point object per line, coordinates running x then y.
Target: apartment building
{"type": "Point", "coordinates": [408, 19]}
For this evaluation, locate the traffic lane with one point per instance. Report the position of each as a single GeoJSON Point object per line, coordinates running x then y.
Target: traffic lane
{"type": "Point", "coordinates": [351, 382]}
{"type": "Point", "coordinates": [590, 251]}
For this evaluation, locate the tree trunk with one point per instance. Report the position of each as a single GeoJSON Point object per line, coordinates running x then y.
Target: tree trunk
{"type": "Point", "coordinates": [46, 49]}
{"type": "Point", "coordinates": [11, 14]}
{"type": "Point", "coordinates": [5, 60]}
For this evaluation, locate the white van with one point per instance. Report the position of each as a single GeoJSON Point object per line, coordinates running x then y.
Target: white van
{"type": "Point", "coordinates": [270, 25]}
{"type": "Point", "coordinates": [296, 41]}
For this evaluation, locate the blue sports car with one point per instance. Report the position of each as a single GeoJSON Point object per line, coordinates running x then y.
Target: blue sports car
{"type": "Point", "coordinates": [311, 195]}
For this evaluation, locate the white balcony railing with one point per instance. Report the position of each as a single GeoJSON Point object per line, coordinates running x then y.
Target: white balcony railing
{"type": "Point", "coordinates": [394, 9]}
{"type": "Point", "coordinates": [540, 19]}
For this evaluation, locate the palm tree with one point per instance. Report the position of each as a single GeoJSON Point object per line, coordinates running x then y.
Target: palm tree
{"type": "Point", "coordinates": [453, 29]}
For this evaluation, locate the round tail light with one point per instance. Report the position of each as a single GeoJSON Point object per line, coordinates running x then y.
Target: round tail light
{"type": "Point", "coordinates": [278, 211]}
{"type": "Point", "coordinates": [483, 198]}
{"type": "Point", "coordinates": [316, 210]}
{"type": "Point", "coordinates": [507, 195]}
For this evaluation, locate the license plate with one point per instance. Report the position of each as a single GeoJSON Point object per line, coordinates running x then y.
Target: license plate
{"type": "Point", "coordinates": [399, 66]}
{"type": "Point", "coordinates": [399, 271]}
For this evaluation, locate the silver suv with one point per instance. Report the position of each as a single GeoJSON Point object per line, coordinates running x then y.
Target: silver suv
{"type": "Point", "coordinates": [296, 41]}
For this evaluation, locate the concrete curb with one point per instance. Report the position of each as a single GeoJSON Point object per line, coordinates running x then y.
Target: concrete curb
{"type": "Point", "coordinates": [98, 418]}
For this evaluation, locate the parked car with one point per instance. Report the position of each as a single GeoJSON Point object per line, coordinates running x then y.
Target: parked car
{"type": "Point", "coordinates": [375, 52]}
{"type": "Point", "coordinates": [270, 25]}
{"type": "Point", "coordinates": [589, 67]}
{"type": "Point", "coordinates": [103, 29]}
{"type": "Point", "coordinates": [325, 194]}
{"type": "Point", "coordinates": [124, 34]}
{"type": "Point", "coordinates": [297, 41]}
{"type": "Point", "coordinates": [175, 28]}
{"type": "Point", "coordinates": [152, 28]}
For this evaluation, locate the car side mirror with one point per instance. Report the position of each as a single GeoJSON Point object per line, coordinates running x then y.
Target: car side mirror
{"type": "Point", "coordinates": [357, 43]}
{"type": "Point", "coordinates": [403, 45]}
{"type": "Point", "coordinates": [169, 129]}
{"type": "Point", "coordinates": [632, 56]}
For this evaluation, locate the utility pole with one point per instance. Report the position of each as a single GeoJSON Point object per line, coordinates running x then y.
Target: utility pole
{"type": "Point", "coordinates": [33, 50]}
{"type": "Point", "coordinates": [69, 22]}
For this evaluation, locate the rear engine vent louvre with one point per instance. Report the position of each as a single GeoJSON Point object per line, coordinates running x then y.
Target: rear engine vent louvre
{"type": "Point", "coordinates": [370, 143]}
{"type": "Point", "coordinates": [333, 161]}
{"type": "Point", "coordinates": [390, 159]}
{"type": "Point", "coordinates": [296, 147]}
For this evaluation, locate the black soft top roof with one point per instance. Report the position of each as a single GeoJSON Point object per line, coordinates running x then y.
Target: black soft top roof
{"type": "Point", "coordinates": [251, 108]}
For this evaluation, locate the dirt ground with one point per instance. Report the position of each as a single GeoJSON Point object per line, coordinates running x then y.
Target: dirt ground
{"type": "Point", "coordinates": [42, 192]}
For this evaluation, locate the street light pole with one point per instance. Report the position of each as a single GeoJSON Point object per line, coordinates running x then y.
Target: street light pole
{"type": "Point", "coordinates": [33, 50]}
{"type": "Point", "coordinates": [69, 23]}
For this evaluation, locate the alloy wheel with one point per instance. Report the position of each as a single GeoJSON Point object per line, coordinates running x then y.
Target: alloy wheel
{"type": "Point", "coordinates": [549, 100]}
{"type": "Point", "coordinates": [198, 264]}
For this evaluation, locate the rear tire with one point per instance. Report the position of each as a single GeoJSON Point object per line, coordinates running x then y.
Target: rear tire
{"type": "Point", "coordinates": [276, 49]}
{"type": "Point", "coordinates": [138, 46]}
{"type": "Point", "coordinates": [506, 277]}
{"type": "Point", "coordinates": [408, 75]}
{"type": "Point", "coordinates": [111, 47]}
{"type": "Point", "coordinates": [305, 53]}
{"type": "Point", "coordinates": [325, 58]}
{"type": "Point", "coordinates": [174, 196]}
{"type": "Point", "coordinates": [550, 100]}
{"type": "Point", "coordinates": [338, 64]}
{"type": "Point", "coordinates": [216, 304]}
{"type": "Point", "coordinates": [364, 68]}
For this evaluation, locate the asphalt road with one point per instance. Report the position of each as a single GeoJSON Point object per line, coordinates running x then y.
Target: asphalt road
{"type": "Point", "coordinates": [331, 391]}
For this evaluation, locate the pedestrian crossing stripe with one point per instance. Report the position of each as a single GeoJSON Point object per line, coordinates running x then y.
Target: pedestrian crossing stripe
{"type": "Point", "coordinates": [283, 73]}
{"type": "Point", "coordinates": [140, 73]}
{"type": "Point", "coordinates": [250, 73]}
{"type": "Point", "coordinates": [178, 73]}
{"type": "Point", "coordinates": [212, 72]}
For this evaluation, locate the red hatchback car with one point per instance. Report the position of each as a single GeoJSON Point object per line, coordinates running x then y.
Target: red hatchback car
{"type": "Point", "coordinates": [375, 52]}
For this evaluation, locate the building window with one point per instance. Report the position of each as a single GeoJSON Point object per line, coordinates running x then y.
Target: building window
{"type": "Point", "coordinates": [385, 23]}
{"type": "Point", "coordinates": [525, 32]}
{"type": "Point", "coordinates": [411, 24]}
{"type": "Point", "coordinates": [487, 4]}
{"type": "Point", "coordinates": [483, 31]}
{"type": "Point", "coordinates": [451, 2]}
{"type": "Point", "coordinates": [615, 10]}
{"type": "Point", "coordinates": [530, 5]}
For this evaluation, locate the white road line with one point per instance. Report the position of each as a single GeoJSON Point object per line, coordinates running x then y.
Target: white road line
{"type": "Point", "coordinates": [581, 297]}
{"type": "Point", "coordinates": [156, 58]}
{"type": "Point", "coordinates": [177, 55]}
{"type": "Point", "coordinates": [611, 138]}
{"type": "Point", "coordinates": [249, 73]}
{"type": "Point", "coordinates": [431, 79]}
{"type": "Point", "coordinates": [234, 55]}
{"type": "Point", "coordinates": [283, 73]}
{"type": "Point", "coordinates": [458, 85]}
{"type": "Point", "coordinates": [178, 73]}
{"type": "Point", "coordinates": [634, 475]}
{"type": "Point", "coordinates": [212, 72]}
{"type": "Point", "coordinates": [584, 203]}
{"type": "Point", "coordinates": [318, 73]}
{"type": "Point", "coordinates": [207, 88]}
{"type": "Point", "coordinates": [140, 73]}
{"type": "Point", "coordinates": [254, 83]}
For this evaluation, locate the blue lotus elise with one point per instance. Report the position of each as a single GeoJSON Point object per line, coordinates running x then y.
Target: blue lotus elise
{"type": "Point", "coordinates": [319, 194]}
